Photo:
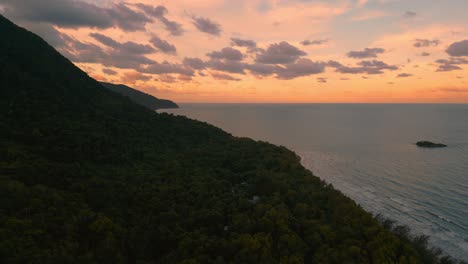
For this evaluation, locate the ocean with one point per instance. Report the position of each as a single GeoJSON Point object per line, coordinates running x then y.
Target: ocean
{"type": "Point", "coordinates": [367, 151]}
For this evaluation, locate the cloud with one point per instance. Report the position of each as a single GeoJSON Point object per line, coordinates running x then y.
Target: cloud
{"type": "Point", "coordinates": [109, 71]}
{"type": "Point", "coordinates": [295, 68]}
{"type": "Point", "coordinates": [227, 53]}
{"type": "Point", "coordinates": [167, 78]}
{"type": "Point", "coordinates": [321, 80]}
{"type": "Point", "coordinates": [458, 49]}
{"type": "Point", "coordinates": [135, 48]}
{"type": "Point", "coordinates": [314, 42]}
{"type": "Point", "coordinates": [409, 14]}
{"type": "Point", "coordinates": [125, 60]}
{"type": "Point", "coordinates": [185, 78]}
{"type": "Point", "coordinates": [128, 55]}
{"type": "Point", "coordinates": [133, 77]}
{"type": "Point", "coordinates": [160, 12]}
{"type": "Point", "coordinates": [173, 27]}
{"type": "Point", "coordinates": [420, 43]}
{"type": "Point", "coordinates": [448, 67]}
{"type": "Point", "coordinates": [66, 13]}
{"type": "Point", "coordinates": [194, 63]}
{"type": "Point", "coordinates": [163, 45]}
{"type": "Point", "coordinates": [375, 64]}
{"type": "Point", "coordinates": [366, 67]}
{"type": "Point", "coordinates": [279, 53]}
{"type": "Point", "coordinates": [425, 54]}
{"type": "Point", "coordinates": [301, 67]}
{"type": "Point", "coordinates": [166, 67]}
{"type": "Point", "coordinates": [105, 40]}
{"type": "Point", "coordinates": [121, 49]}
{"type": "Point", "coordinates": [207, 26]}
{"type": "Point", "coordinates": [127, 19]}
{"type": "Point", "coordinates": [227, 66]}
{"type": "Point", "coordinates": [366, 53]}
{"type": "Point", "coordinates": [404, 75]}
{"type": "Point", "coordinates": [454, 60]}
{"type": "Point", "coordinates": [451, 64]}
{"type": "Point", "coordinates": [76, 14]}
{"type": "Point", "coordinates": [243, 43]}
{"type": "Point", "coordinates": [84, 52]}
{"type": "Point", "coordinates": [260, 69]}
{"type": "Point", "coordinates": [223, 76]}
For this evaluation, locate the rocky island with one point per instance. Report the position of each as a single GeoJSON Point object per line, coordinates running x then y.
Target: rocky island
{"type": "Point", "coordinates": [428, 144]}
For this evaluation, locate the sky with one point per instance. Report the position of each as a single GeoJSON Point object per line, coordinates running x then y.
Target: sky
{"type": "Point", "coordinates": [263, 51]}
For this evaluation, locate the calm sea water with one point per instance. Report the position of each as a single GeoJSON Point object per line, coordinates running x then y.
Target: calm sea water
{"type": "Point", "coordinates": [367, 151]}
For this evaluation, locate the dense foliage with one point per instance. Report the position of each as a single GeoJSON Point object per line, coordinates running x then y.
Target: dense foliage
{"type": "Point", "coordinates": [138, 97]}
{"type": "Point", "coordinates": [87, 176]}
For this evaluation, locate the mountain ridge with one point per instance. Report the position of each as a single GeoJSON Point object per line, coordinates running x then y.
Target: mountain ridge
{"type": "Point", "coordinates": [139, 97]}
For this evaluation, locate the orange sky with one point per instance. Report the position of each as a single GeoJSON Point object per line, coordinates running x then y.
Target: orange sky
{"type": "Point", "coordinates": [357, 51]}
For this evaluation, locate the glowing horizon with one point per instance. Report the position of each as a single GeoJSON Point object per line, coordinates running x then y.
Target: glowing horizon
{"type": "Point", "coordinates": [263, 51]}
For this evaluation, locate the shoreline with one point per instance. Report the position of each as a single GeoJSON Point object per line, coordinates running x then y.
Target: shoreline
{"type": "Point", "coordinates": [371, 209]}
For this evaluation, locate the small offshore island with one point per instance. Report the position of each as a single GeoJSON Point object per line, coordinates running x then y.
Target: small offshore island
{"type": "Point", "coordinates": [428, 144]}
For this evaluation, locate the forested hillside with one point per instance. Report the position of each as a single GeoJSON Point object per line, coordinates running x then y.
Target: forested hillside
{"type": "Point", "coordinates": [87, 176]}
{"type": "Point", "coordinates": [138, 97]}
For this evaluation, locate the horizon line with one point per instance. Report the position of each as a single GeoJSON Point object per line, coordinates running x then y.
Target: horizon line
{"type": "Point", "coordinates": [303, 103]}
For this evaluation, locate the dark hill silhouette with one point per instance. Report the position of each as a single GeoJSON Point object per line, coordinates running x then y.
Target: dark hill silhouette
{"type": "Point", "coordinates": [144, 99]}
{"type": "Point", "coordinates": [88, 176]}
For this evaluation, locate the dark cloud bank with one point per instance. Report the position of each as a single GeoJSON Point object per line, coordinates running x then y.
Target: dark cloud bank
{"type": "Point", "coordinates": [75, 14]}
{"type": "Point", "coordinates": [281, 60]}
{"type": "Point", "coordinates": [459, 56]}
